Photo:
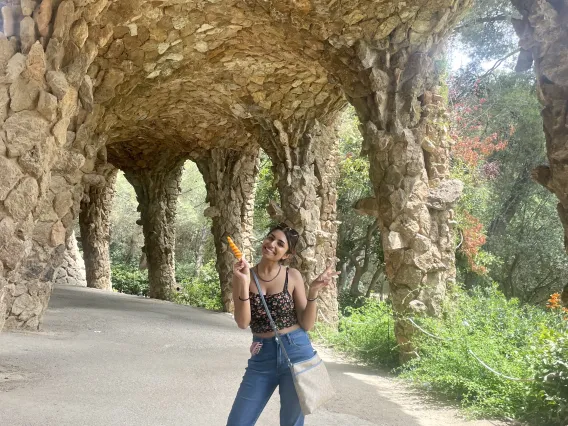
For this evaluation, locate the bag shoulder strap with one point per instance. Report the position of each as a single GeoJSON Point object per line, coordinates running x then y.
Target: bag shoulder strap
{"type": "Point", "coordinates": [272, 324]}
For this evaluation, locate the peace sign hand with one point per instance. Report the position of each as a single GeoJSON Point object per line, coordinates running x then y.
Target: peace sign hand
{"type": "Point", "coordinates": [324, 280]}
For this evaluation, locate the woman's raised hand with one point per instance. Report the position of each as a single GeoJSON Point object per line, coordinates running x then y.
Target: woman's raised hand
{"type": "Point", "coordinates": [325, 279]}
{"type": "Point", "coordinates": [241, 271]}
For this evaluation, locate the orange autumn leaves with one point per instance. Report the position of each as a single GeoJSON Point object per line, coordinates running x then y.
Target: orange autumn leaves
{"type": "Point", "coordinates": [555, 304]}
{"type": "Point", "coordinates": [238, 254]}
{"type": "Point", "coordinates": [473, 239]}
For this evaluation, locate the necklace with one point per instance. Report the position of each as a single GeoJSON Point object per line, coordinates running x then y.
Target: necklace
{"type": "Point", "coordinates": [267, 281]}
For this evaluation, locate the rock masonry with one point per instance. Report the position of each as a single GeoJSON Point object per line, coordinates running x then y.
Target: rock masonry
{"type": "Point", "coordinates": [146, 85]}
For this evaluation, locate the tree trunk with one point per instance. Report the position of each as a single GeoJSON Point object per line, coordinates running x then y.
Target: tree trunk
{"type": "Point", "coordinates": [157, 189]}
{"type": "Point", "coordinates": [306, 173]}
{"type": "Point", "coordinates": [202, 237]}
{"type": "Point", "coordinates": [94, 222]}
{"type": "Point", "coordinates": [229, 177]}
{"type": "Point", "coordinates": [374, 281]}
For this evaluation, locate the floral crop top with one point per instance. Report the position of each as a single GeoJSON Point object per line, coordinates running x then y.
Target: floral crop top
{"type": "Point", "coordinates": [281, 306]}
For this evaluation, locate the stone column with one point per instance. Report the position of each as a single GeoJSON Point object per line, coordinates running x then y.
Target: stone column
{"type": "Point", "coordinates": [403, 126]}
{"type": "Point", "coordinates": [42, 66]}
{"type": "Point", "coordinates": [304, 158]}
{"type": "Point", "coordinates": [94, 222]}
{"type": "Point", "coordinates": [72, 270]}
{"type": "Point", "coordinates": [543, 37]}
{"type": "Point", "coordinates": [230, 176]}
{"type": "Point", "coordinates": [157, 188]}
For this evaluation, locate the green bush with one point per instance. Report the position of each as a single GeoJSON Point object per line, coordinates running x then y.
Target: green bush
{"type": "Point", "coordinates": [202, 291]}
{"type": "Point", "coordinates": [129, 279]}
{"type": "Point", "coordinates": [506, 337]}
{"type": "Point", "coordinates": [365, 332]}
{"type": "Point", "coordinates": [550, 391]}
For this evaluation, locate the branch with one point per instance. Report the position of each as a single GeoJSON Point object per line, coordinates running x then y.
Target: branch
{"type": "Point", "coordinates": [499, 62]}
{"type": "Point", "coordinates": [487, 19]}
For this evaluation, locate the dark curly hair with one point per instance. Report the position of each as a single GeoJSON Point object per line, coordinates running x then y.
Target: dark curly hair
{"type": "Point", "coordinates": [292, 236]}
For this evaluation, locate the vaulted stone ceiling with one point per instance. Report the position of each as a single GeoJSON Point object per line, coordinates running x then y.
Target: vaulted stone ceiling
{"type": "Point", "coordinates": [202, 74]}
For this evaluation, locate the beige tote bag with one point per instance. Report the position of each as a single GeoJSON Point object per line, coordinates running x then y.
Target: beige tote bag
{"type": "Point", "coordinates": [311, 379]}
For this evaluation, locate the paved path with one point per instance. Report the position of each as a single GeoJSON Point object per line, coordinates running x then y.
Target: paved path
{"type": "Point", "coordinates": [111, 359]}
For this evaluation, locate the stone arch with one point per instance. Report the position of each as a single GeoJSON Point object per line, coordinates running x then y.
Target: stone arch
{"type": "Point", "coordinates": [180, 79]}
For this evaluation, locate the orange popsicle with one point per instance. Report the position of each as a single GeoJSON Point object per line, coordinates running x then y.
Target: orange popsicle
{"type": "Point", "coordinates": [234, 248]}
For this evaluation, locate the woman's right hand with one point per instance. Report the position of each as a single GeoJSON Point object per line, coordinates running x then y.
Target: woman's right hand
{"type": "Point", "coordinates": [241, 272]}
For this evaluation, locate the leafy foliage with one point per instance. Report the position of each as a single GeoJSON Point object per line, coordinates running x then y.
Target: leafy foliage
{"type": "Point", "coordinates": [358, 245]}
{"type": "Point", "coordinates": [508, 223]}
{"type": "Point", "coordinates": [129, 280]}
{"type": "Point", "coordinates": [502, 333]}
{"type": "Point", "coordinates": [203, 290]}
{"type": "Point", "coordinates": [365, 332]}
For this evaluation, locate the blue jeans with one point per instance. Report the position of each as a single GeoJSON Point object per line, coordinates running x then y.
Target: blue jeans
{"type": "Point", "coordinates": [265, 371]}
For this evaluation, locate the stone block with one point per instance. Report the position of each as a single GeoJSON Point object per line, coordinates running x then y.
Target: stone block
{"type": "Point", "coordinates": [23, 94]}
{"type": "Point", "coordinates": [25, 129]}
{"type": "Point", "coordinates": [63, 19]}
{"type": "Point", "coordinates": [62, 203]}
{"type": "Point", "coordinates": [10, 174]}
{"type": "Point", "coordinates": [43, 17]}
{"type": "Point", "coordinates": [86, 93]}
{"type": "Point", "coordinates": [21, 303]}
{"type": "Point", "coordinates": [15, 66]}
{"type": "Point", "coordinates": [58, 83]}
{"type": "Point", "coordinates": [27, 7]}
{"type": "Point", "coordinates": [27, 34]}
{"type": "Point", "coordinates": [79, 32]}
{"type": "Point", "coordinates": [7, 50]}
{"type": "Point", "coordinates": [47, 105]}
{"type": "Point", "coordinates": [23, 198]}
{"type": "Point", "coordinates": [36, 65]}
{"type": "Point", "coordinates": [445, 195]}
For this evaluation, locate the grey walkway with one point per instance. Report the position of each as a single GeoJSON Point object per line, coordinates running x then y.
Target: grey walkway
{"type": "Point", "coordinates": [111, 359]}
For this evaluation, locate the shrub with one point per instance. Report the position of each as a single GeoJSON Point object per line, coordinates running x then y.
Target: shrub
{"type": "Point", "coordinates": [506, 336]}
{"type": "Point", "coordinates": [365, 332]}
{"type": "Point", "coordinates": [202, 291]}
{"type": "Point", "coordinates": [129, 280]}
{"type": "Point", "coordinates": [550, 392]}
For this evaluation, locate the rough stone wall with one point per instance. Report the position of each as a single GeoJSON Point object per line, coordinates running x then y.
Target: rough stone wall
{"type": "Point", "coordinates": [304, 158]}
{"type": "Point", "coordinates": [183, 78]}
{"type": "Point", "coordinates": [229, 177]}
{"type": "Point", "coordinates": [43, 169]}
{"type": "Point", "coordinates": [543, 34]}
{"type": "Point", "coordinates": [72, 269]}
{"type": "Point", "coordinates": [94, 222]}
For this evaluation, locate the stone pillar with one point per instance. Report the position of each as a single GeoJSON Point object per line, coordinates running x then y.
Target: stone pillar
{"type": "Point", "coordinates": [229, 177]}
{"type": "Point", "coordinates": [94, 222]}
{"type": "Point", "coordinates": [304, 158]}
{"type": "Point", "coordinates": [403, 126]}
{"type": "Point", "coordinates": [157, 188]}
{"type": "Point", "coordinates": [42, 66]}
{"type": "Point", "coordinates": [543, 37]}
{"type": "Point", "coordinates": [72, 270]}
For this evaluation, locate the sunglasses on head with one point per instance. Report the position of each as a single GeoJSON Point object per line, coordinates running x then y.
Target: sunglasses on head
{"type": "Point", "coordinates": [285, 228]}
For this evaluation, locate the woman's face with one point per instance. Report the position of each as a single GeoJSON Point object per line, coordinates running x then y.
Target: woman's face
{"type": "Point", "coordinates": [275, 246]}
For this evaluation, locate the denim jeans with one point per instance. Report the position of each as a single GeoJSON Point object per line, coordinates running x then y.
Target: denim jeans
{"type": "Point", "coordinates": [265, 371]}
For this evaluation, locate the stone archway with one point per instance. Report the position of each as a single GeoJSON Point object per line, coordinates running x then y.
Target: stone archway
{"type": "Point", "coordinates": [157, 83]}
{"type": "Point", "coordinates": [176, 81]}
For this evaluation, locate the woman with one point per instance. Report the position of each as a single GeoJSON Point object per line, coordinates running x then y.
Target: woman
{"type": "Point", "coordinates": [293, 312]}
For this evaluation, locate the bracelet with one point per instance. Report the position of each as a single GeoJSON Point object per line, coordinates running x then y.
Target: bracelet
{"type": "Point", "coordinates": [315, 298]}
{"type": "Point", "coordinates": [243, 300]}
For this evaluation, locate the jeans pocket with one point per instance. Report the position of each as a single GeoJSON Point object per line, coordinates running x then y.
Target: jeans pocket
{"type": "Point", "coordinates": [300, 340]}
